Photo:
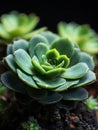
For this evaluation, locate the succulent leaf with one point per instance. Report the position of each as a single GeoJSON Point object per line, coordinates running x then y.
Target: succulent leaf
{"type": "Point", "coordinates": [50, 98]}
{"type": "Point", "coordinates": [20, 44]}
{"type": "Point", "coordinates": [34, 41]}
{"type": "Point", "coordinates": [27, 79]}
{"type": "Point", "coordinates": [75, 72]}
{"type": "Point", "coordinates": [87, 79]}
{"type": "Point", "coordinates": [84, 57]}
{"type": "Point", "coordinates": [12, 82]}
{"type": "Point", "coordinates": [11, 63]}
{"type": "Point", "coordinates": [23, 60]}
{"type": "Point", "coordinates": [64, 47]}
{"type": "Point", "coordinates": [49, 84]}
{"type": "Point", "coordinates": [76, 94]}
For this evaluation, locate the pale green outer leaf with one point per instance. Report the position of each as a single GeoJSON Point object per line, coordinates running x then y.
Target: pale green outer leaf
{"type": "Point", "coordinates": [64, 47]}
{"type": "Point", "coordinates": [84, 57]}
{"type": "Point", "coordinates": [33, 33]}
{"type": "Point", "coordinates": [50, 36]}
{"type": "Point", "coordinates": [27, 79]}
{"type": "Point", "coordinates": [28, 23]}
{"type": "Point", "coordinates": [11, 63]}
{"type": "Point", "coordinates": [66, 30]}
{"type": "Point", "coordinates": [23, 60]}
{"type": "Point", "coordinates": [9, 49]}
{"type": "Point", "coordinates": [11, 81]}
{"type": "Point", "coordinates": [40, 50]}
{"type": "Point", "coordinates": [68, 84]}
{"type": "Point", "coordinates": [3, 33]}
{"type": "Point", "coordinates": [49, 84]}
{"type": "Point", "coordinates": [75, 57]}
{"type": "Point", "coordinates": [91, 46]}
{"type": "Point", "coordinates": [34, 41]}
{"type": "Point", "coordinates": [10, 21]}
{"type": "Point", "coordinates": [51, 98]}
{"type": "Point", "coordinates": [75, 72]}
{"type": "Point", "coordinates": [20, 44]}
{"type": "Point", "coordinates": [77, 94]}
{"type": "Point", "coordinates": [87, 79]}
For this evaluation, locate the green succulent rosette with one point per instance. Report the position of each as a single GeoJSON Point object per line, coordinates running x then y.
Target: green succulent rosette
{"type": "Point", "coordinates": [48, 68]}
{"type": "Point", "coordinates": [18, 25]}
{"type": "Point", "coordinates": [83, 35]}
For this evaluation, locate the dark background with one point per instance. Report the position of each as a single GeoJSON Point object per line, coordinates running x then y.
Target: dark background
{"type": "Point", "coordinates": [51, 12]}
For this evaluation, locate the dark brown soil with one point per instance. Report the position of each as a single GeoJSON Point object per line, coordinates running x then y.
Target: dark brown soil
{"type": "Point", "coordinates": [51, 117]}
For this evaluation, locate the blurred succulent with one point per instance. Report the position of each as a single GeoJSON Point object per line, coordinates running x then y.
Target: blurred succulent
{"type": "Point", "coordinates": [91, 103]}
{"type": "Point", "coordinates": [3, 102]}
{"type": "Point", "coordinates": [18, 25]}
{"type": "Point", "coordinates": [86, 38]}
{"type": "Point", "coordinates": [31, 124]}
{"type": "Point", "coordinates": [48, 68]}
{"type": "Point", "coordinates": [2, 89]}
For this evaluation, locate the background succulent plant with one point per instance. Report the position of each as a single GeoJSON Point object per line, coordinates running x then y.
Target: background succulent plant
{"type": "Point", "coordinates": [18, 25]}
{"type": "Point", "coordinates": [86, 38]}
{"type": "Point", "coordinates": [48, 68]}
{"type": "Point", "coordinates": [92, 103]}
{"type": "Point", "coordinates": [31, 124]}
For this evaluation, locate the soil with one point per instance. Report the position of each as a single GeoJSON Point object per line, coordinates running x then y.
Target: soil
{"type": "Point", "coordinates": [49, 117]}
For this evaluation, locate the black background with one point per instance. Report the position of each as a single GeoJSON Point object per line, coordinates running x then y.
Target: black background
{"type": "Point", "coordinates": [51, 12]}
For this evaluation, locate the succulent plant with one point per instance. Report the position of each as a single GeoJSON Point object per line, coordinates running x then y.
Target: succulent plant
{"type": "Point", "coordinates": [48, 68]}
{"type": "Point", "coordinates": [2, 89]}
{"type": "Point", "coordinates": [31, 124]}
{"type": "Point", "coordinates": [91, 103]}
{"type": "Point", "coordinates": [18, 25]}
{"type": "Point", "coordinates": [86, 37]}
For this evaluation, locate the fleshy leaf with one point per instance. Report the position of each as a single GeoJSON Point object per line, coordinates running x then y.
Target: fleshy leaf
{"type": "Point", "coordinates": [51, 98]}
{"type": "Point", "coordinates": [76, 94]}
{"type": "Point", "coordinates": [37, 66]}
{"type": "Point", "coordinates": [75, 72]}
{"type": "Point", "coordinates": [55, 72]}
{"type": "Point", "coordinates": [34, 41]}
{"type": "Point", "coordinates": [36, 93]}
{"type": "Point", "coordinates": [87, 79]}
{"type": "Point", "coordinates": [65, 59]}
{"type": "Point", "coordinates": [23, 60]}
{"type": "Point", "coordinates": [64, 47]}
{"type": "Point", "coordinates": [20, 44]}
{"type": "Point", "coordinates": [3, 33]}
{"type": "Point", "coordinates": [9, 49]}
{"type": "Point", "coordinates": [84, 57]}
{"type": "Point", "coordinates": [33, 33]}
{"type": "Point", "coordinates": [10, 62]}
{"type": "Point", "coordinates": [47, 67]}
{"type": "Point", "coordinates": [68, 84]}
{"type": "Point", "coordinates": [12, 81]}
{"type": "Point", "coordinates": [49, 84]}
{"type": "Point", "coordinates": [75, 57]}
{"type": "Point", "coordinates": [27, 79]}
{"type": "Point", "coordinates": [50, 36]}
{"type": "Point", "coordinates": [52, 54]}
{"type": "Point", "coordinates": [40, 50]}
